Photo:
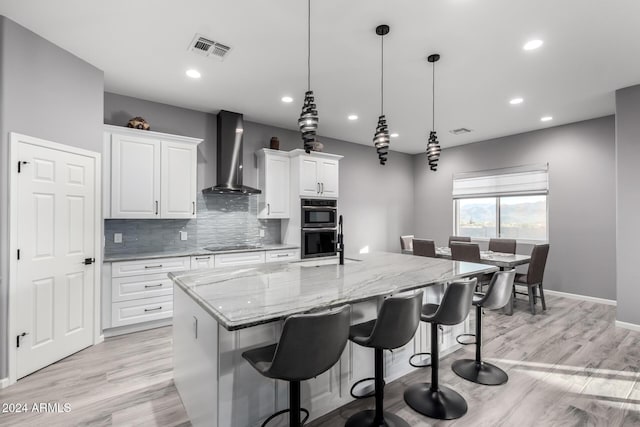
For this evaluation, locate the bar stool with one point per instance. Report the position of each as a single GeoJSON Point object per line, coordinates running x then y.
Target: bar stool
{"type": "Point", "coordinates": [497, 296]}
{"type": "Point", "coordinates": [310, 344]}
{"type": "Point", "coordinates": [396, 324]}
{"type": "Point", "coordinates": [435, 400]}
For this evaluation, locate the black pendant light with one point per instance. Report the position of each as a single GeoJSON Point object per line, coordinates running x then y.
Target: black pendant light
{"type": "Point", "coordinates": [381, 137]}
{"type": "Point", "coordinates": [433, 148]}
{"type": "Point", "coordinates": [308, 121]}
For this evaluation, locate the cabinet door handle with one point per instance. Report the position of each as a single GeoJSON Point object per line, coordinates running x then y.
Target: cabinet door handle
{"type": "Point", "coordinates": [153, 309]}
{"type": "Point", "coordinates": [318, 188]}
{"type": "Point", "coordinates": [156, 207]}
{"type": "Point", "coordinates": [282, 255]}
{"type": "Point", "coordinates": [198, 258]}
{"type": "Point", "coordinates": [268, 208]}
{"type": "Point", "coordinates": [194, 207]}
{"type": "Point", "coordinates": [153, 266]}
{"type": "Point", "coordinates": [153, 286]}
{"type": "Point", "coordinates": [322, 186]}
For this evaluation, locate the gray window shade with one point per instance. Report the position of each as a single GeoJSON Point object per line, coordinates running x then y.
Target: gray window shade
{"type": "Point", "coordinates": [532, 179]}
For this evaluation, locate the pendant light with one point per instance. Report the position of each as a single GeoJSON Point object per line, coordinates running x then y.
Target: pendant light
{"type": "Point", "coordinates": [308, 121]}
{"type": "Point", "coordinates": [381, 137]}
{"type": "Point", "coordinates": [433, 148]}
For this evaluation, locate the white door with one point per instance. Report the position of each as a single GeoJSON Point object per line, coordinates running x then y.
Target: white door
{"type": "Point", "coordinates": [329, 178]}
{"type": "Point", "coordinates": [55, 222]}
{"type": "Point", "coordinates": [135, 177]}
{"type": "Point", "coordinates": [309, 185]}
{"type": "Point", "coordinates": [178, 180]}
{"type": "Point", "coordinates": [277, 186]}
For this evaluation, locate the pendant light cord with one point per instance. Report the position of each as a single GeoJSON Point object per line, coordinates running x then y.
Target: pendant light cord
{"type": "Point", "coordinates": [309, 45]}
{"type": "Point", "coordinates": [382, 76]}
{"type": "Point", "coordinates": [433, 100]}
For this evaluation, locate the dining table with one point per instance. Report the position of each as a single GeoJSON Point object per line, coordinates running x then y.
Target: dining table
{"type": "Point", "coordinates": [504, 261]}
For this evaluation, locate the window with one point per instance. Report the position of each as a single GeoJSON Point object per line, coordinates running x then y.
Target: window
{"type": "Point", "coordinates": [512, 217]}
{"type": "Point", "coordinates": [508, 203]}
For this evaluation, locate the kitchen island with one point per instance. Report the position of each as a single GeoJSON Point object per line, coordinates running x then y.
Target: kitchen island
{"type": "Point", "coordinates": [220, 313]}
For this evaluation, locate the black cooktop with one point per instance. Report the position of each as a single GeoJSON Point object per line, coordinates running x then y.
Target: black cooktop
{"type": "Point", "coordinates": [232, 247]}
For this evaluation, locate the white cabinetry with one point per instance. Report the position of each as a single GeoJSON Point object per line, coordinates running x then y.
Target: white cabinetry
{"type": "Point", "coordinates": [317, 174]}
{"type": "Point", "coordinates": [202, 261]}
{"type": "Point", "coordinates": [141, 291]}
{"type": "Point", "coordinates": [239, 258]}
{"type": "Point", "coordinates": [149, 174]}
{"type": "Point", "coordinates": [273, 180]}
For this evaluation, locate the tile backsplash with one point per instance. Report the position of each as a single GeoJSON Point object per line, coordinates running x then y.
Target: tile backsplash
{"type": "Point", "coordinates": [223, 220]}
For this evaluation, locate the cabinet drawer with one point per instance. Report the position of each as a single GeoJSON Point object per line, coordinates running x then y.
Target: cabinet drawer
{"type": "Point", "coordinates": [226, 260]}
{"type": "Point", "coordinates": [282, 255]}
{"type": "Point", "coordinates": [202, 261]}
{"type": "Point", "coordinates": [142, 310]}
{"type": "Point", "coordinates": [149, 266]}
{"type": "Point", "coordinates": [136, 287]}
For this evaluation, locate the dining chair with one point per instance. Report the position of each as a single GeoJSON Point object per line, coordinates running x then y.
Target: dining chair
{"type": "Point", "coordinates": [406, 242]}
{"type": "Point", "coordinates": [462, 251]}
{"type": "Point", "coordinates": [506, 246]}
{"type": "Point", "coordinates": [424, 247]}
{"type": "Point", "coordinates": [459, 239]}
{"type": "Point", "coordinates": [533, 278]}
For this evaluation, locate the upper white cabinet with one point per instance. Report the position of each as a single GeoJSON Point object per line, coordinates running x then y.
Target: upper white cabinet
{"type": "Point", "coordinates": [317, 174]}
{"type": "Point", "coordinates": [149, 174]}
{"type": "Point", "coordinates": [273, 180]}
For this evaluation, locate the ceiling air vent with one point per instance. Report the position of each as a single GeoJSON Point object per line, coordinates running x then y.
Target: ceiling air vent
{"type": "Point", "coordinates": [460, 131]}
{"type": "Point", "coordinates": [206, 47]}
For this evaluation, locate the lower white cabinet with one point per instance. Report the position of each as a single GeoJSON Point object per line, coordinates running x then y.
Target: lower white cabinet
{"type": "Point", "coordinates": [138, 287]}
{"type": "Point", "coordinates": [141, 310]}
{"type": "Point", "coordinates": [202, 261]}
{"type": "Point", "coordinates": [238, 258]}
{"type": "Point", "coordinates": [282, 255]}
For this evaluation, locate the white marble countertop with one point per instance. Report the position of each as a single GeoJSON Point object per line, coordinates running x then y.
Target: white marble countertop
{"type": "Point", "coordinates": [191, 252]}
{"type": "Point", "coordinates": [240, 297]}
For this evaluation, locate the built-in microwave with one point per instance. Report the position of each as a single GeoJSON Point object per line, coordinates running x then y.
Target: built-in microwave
{"type": "Point", "coordinates": [319, 213]}
{"type": "Point", "coordinates": [319, 242]}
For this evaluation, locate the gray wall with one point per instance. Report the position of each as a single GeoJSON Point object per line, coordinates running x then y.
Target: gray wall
{"type": "Point", "coordinates": [628, 202]}
{"type": "Point", "coordinates": [376, 201]}
{"type": "Point", "coordinates": [48, 93]}
{"type": "Point", "coordinates": [581, 199]}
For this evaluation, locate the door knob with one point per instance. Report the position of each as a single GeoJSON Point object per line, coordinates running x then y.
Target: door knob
{"type": "Point", "coordinates": [89, 261]}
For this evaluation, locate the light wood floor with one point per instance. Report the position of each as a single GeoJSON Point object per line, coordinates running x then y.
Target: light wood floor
{"type": "Point", "coordinates": [569, 366]}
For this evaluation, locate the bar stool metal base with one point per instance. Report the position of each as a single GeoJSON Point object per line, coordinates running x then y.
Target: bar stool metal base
{"type": "Point", "coordinates": [479, 372]}
{"type": "Point", "coordinates": [442, 404]}
{"type": "Point", "coordinates": [368, 419]}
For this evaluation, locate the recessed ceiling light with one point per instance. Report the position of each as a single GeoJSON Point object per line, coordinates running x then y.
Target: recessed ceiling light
{"type": "Point", "coordinates": [516, 101]}
{"type": "Point", "coordinates": [394, 135]}
{"type": "Point", "coordinates": [352, 117]}
{"type": "Point", "coordinates": [546, 119]}
{"type": "Point", "coordinates": [287, 99]}
{"type": "Point", "coordinates": [194, 74]}
{"type": "Point", "coordinates": [532, 44]}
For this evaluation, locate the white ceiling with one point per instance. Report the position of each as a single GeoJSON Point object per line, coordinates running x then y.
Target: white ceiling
{"type": "Point", "coordinates": [591, 48]}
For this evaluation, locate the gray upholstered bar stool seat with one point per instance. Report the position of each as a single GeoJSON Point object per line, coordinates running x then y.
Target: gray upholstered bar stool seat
{"type": "Point", "coordinates": [396, 324]}
{"type": "Point", "coordinates": [497, 296]}
{"type": "Point", "coordinates": [433, 399]}
{"type": "Point", "coordinates": [310, 344]}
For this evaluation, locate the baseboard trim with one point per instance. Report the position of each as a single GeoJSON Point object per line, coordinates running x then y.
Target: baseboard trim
{"type": "Point", "coordinates": [122, 330]}
{"type": "Point", "coordinates": [581, 297]}
{"type": "Point", "coordinates": [4, 383]}
{"type": "Point", "coordinates": [626, 325]}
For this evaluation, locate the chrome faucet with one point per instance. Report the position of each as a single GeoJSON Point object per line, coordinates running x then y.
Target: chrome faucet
{"type": "Point", "coordinates": [340, 241]}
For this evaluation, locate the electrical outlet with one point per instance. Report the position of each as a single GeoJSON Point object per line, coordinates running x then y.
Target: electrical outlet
{"type": "Point", "coordinates": [117, 237]}
{"type": "Point", "coordinates": [183, 235]}
{"type": "Point", "coordinates": [262, 232]}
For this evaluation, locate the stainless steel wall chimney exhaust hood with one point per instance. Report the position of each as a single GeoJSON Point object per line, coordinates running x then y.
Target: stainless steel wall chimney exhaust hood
{"type": "Point", "coordinates": [229, 162]}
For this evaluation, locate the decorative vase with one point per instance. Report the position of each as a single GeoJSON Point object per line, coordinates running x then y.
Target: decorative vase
{"type": "Point", "coordinates": [275, 143]}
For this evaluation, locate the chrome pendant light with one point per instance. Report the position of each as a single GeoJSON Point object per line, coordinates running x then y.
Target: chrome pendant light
{"type": "Point", "coordinates": [308, 121]}
{"type": "Point", "coordinates": [381, 137]}
{"type": "Point", "coordinates": [433, 147]}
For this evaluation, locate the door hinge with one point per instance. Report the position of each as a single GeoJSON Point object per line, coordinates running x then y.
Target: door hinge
{"type": "Point", "coordinates": [19, 338]}
{"type": "Point", "coordinates": [20, 163]}
{"type": "Point", "coordinates": [18, 253]}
